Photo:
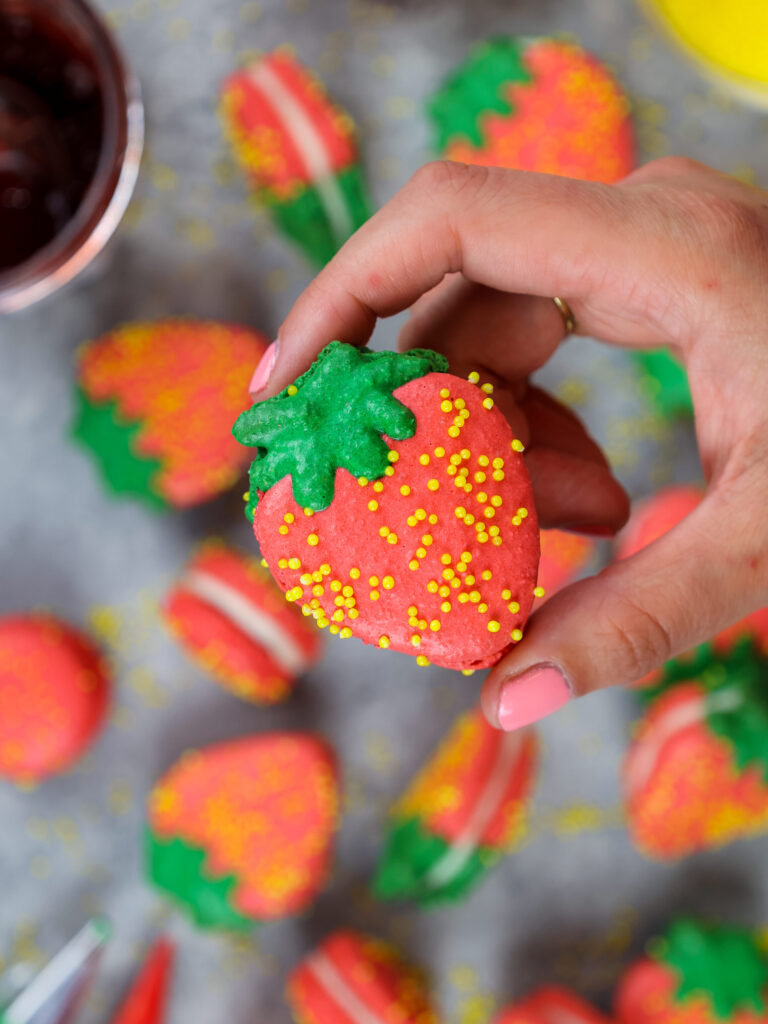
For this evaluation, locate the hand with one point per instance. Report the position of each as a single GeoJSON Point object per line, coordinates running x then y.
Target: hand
{"type": "Point", "coordinates": [676, 254]}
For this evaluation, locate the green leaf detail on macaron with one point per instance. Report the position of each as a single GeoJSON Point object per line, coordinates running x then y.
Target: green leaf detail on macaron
{"type": "Point", "coordinates": [723, 964]}
{"type": "Point", "coordinates": [477, 87]}
{"type": "Point", "coordinates": [332, 417]}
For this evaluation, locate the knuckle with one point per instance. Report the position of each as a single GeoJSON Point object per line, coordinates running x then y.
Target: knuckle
{"type": "Point", "coordinates": [640, 639]}
{"type": "Point", "coordinates": [442, 177]}
{"type": "Point", "coordinates": [725, 226]}
{"type": "Point", "coordinates": [674, 166]}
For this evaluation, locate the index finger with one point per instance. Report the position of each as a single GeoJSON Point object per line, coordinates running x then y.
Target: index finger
{"type": "Point", "coordinates": [510, 230]}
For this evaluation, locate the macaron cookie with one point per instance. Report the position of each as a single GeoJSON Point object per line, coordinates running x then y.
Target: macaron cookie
{"type": "Point", "coordinates": [298, 150]}
{"type": "Point", "coordinates": [696, 774]}
{"type": "Point", "coordinates": [696, 973]}
{"type": "Point", "coordinates": [241, 832]}
{"type": "Point", "coordinates": [155, 403]}
{"type": "Point", "coordinates": [233, 620]}
{"type": "Point", "coordinates": [54, 692]}
{"type": "Point", "coordinates": [535, 104]}
{"type": "Point", "coordinates": [551, 1005]}
{"type": "Point", "coordinates": [354, 979]}
{"type": "Point", "coordinates": [392, 503]}
{"type": "Point", "coordinates": [664, 382]}
{"type": "Point", "coordinates": [464, 811]}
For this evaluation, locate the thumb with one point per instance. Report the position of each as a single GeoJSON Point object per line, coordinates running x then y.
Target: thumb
{"type": "Point", "coordinates": [616, 627]}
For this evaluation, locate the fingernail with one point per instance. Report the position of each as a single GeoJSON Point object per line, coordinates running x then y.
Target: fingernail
{"type": "Point", "coordinates": [263, 371]}
{"type": "Point", "coordinates": [532, 695]}
{"type": "Point", "coordinates": [591, 529]}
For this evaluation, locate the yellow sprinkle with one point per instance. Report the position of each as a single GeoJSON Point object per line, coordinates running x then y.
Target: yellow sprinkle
{"type": "Point", "coordinates": [363, 481]}
{"type": "Point", "coordinates": [446, 591]}
{"type": "Point", "coordinates": [517, 635]}
{"type": "Point", "coordinates": [405, 490]}
{"type": "Point", "coordinates": [474, 596]}
{"type": "Point", "coordinates": [308, 512]}
{"type": "Point", "coordinates": [480, 477]}
{"type": "Point", "coordinates": [487, 403]}
{"type": "Point", "coordinates": [247, 496]}
{"type": "Point", "coordinates": [473, 377]}
{"type": "Point", "coordinates": [498, 474]}
{"type": "Point", "coordinates": [468, 489]}
{"type": "Point", "coordinates": [265, 563]}
{"type": "Point", "coordinates": [322, 622]}
{"type": "Point", "coordinates": [483, 537]}
{"type": "Point", "coordinates": [445, 606]}
{"type": "Point", "coordinates": [413, 610]}
{"type": "Point", "coordinates": [416, 640]}
{"type": "Point", "coordinates": [347, 591]}
{"type": "Point", "coordinates": [422, 660]}
{"type": "Point", "coordinates": [282, 563]}
{"type": "Point", "coordinates": [424, 459]}
{"type": "Point", "coordinates": [383, 531]}
{"type": "Point", "coordinates": [294, 563]}
{"type": "Point", "coordinates": [412, 521]}
{"type": "Point", "coordinates": [421, 552]}
{"type": "Point", "coordinates": [420, 514]}
{"type": "Point", "coordinates": [313, 540]}
{"type": "Point", "coordinates": [325, 569]}
{"type": "Point", "coordinates": [538, 591]}
{"type": "Point", "coordinates": [482, 608]}
{"type": "Point", "coordinates": [463, 598]}
{"type": "Point", "coordinates": [392, 538]}
{"type": "Point", "coordinates": [318, 590]}
{"type": "Point", "coordinates": [378, 487]}
{"type": "Point", "coordinates": [460, 511]}
{"type": "Point", "coordinates": [461, 566]}
{"type": "Point", "coordinates": [496, 541]}
{"type": "Point", "coordinates": [522, 512]}
{"type": "Point", "coordinates": [432, 586]}
{"type": "Point", "coordinates": [459, 403]}
{"type": "Point", "coordinates": [486, 574]}
{"type": "Point", "coordinates": [445, 393]}
{"type": "Point", "coordinates": [469, 519]}
{"type": "Point", "coordinates": [413, 620]}
{"type": "Point", "coordinates": [393, 456]}
{"type": "Point", "coordinates": [446, 406]}
{"type": "Point", "coordinates": [306, 610]}
{"type": "Point", "coordinates": [446, 559]}
{"type": "Point", "coordinates": [345, 633]}
{"type": "Point", "coordinates": [489, 512]}
{"type": "Point", "coordinates": [514, 607]}
{"type": "Point", "coordinates": [517, 446]}
{"type": "Point", "coordinates": [483, 460]}
{"type": "Point", "coordinates": [289, 517]}
{"type": "Point", "coordinates": [448, 574]}
{"type": "Point", "coordinates": [432, 519]}
{"type": "Point", "coordinates": [374, 595]}
{"type": "Point", "coordinates": [465, 453]}
{"type": "Point", "coordinates": [455, 459]}
{"type": "Point", "coordinates": [413, 564]}
{"type": "Point", "coordinates": [467, 671]}
{"type": "Point", "coordinates": [292, 389]}
{"type": "Point", "coordinates": [506, 594]}
{"type": "Point", "coordinates": [450, 470]}
{"type": "Point", "coordinates": [389, 471]}
{"type": "Point", "coordinates": [439, 452]}
{"type": "Point", "coordinates": [305, 578]}
{"type": "Point", "coordinates": [334, 629]}
{"type": "Point", "coordinates": [282, 530]}
{"type": "Point", "coordinates": [496, 501]}
{"type": "Point", "coordinates": [433, 484]}
{"type": "Point", "coordinates": [494, 626]}
{"type": "Point", "coordinates": [353, 613]}
{"type": "Point", "coordinates": [487, 388]}
{"type": "Point", "coordinates": [388, 582]}
{"type": "Point", "coordinates": [427, 539]}
{"type": "Point", "coordinates": [453, 431]}
{"type": "Point", "coordinates": [335, 585]}
{"type": "Point", "coordinates": [354, 573]}
{"type": "Point", "coordinates": [493, 530]}
{"type": "Point", "coordinates": [339, 601]}
{"type": "Point", "coordinates": [338, 616]}
{"type": "Point", "coordinates": [482, 497]}
{"type": "Point", "coordinates": [516, 520]}
{"type": "Point", "coordinates": [498, 463]}
{"type": "Point", "coordinates": [435, 625]}
{"type": "Point", "coordinates": [373, 580]}
{"type": "Point", "coordinates": [384, 641]}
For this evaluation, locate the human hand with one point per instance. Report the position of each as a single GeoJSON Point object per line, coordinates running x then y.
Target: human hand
{"type": "Point", "coordinates": [676, 254]}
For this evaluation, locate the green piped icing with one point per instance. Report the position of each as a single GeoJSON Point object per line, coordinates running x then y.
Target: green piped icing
{"type": "Point", "coordinates": [101, 429]}
{"type": "Point", "coordinates": [723, 964]}
{"type": "Point", "coordinates": [477, 87]}
{"type": "Point", "coordinates": [305, 219]}
{"type": "Point", "coordinates": [666, 382]}
{"type": "Point", "coordinates": [179, 870]}
{"type": "Point", "coordinates": [411, 852]}
{"type": "Point", "coordinates": [743, 669]}
{"type": "Point", "coordinates": [335, 419]}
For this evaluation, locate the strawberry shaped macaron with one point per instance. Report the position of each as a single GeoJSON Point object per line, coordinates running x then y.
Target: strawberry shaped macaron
{"type": "Point", "coordinates": [146, 1000]}
{"type": "Point", "coordinates": [535, 105]}
{"type": "Point", "coordinates": [353, 979]}
{"type": "Point", "coordinates": [229, 615]}
{"type": "Point", "coordinates": [155, 403]}
{"type": "Point", "coordinates": [54, 692]}
{"type": "Point", "coordinates": [392, 503]}
{"type": "Point", "coordinates": [665, 382]}
{"type": "Point", "coordinates": [696, 974]}
{"type": "Point", "coordinates": [462, 813]}
{"type": "Point", "coordinates": [241, 832]}
{"type": "Point", "coordinates": [696, 774]}
{"type": "Point", "coordinates": [299, 151]}
{"type": "Point", "coordinates": [551, 1005]}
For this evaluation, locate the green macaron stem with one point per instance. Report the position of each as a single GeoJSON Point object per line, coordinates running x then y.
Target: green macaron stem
{"type": "Point", "coordinates": [406, 869]}
{"type": "Point", "coordinates": [723, 964]}
{"type": "Point", "coordinates": [101, 429]}
{"type": "Point", "coordinates": [665, 382]}
{"type": "Point", "coordinates": [178, 869]}
{"type": "Point", "coordinates": [305, 219]}
{"type": "Point", "coordinates": [477, 87]}
{"type": "Point", "coordinates": [333, 417]}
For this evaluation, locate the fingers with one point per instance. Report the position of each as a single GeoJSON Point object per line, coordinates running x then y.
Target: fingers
{"type": "Point", "coordinates": [706, 573]}
{"type": "Point", "coordinates": [509, 230]}
{"type": "Point", "coordinates": [576, 494]}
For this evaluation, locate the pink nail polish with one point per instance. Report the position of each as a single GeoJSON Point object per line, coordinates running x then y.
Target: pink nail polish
{"type": "Point", "coordinates": [263, 371]}
{"type": "Point", "coordinates": [532, 695]}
